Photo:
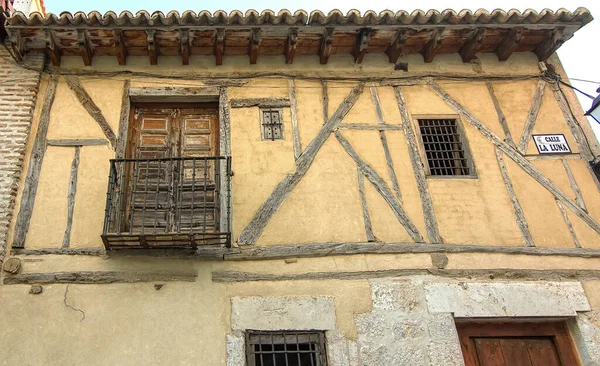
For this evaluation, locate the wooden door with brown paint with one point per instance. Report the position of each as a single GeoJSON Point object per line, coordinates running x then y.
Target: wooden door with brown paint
{"type": "Point", "coordinates": [172, 181]}
{"type": "Point", "coordinates": [516, 344]}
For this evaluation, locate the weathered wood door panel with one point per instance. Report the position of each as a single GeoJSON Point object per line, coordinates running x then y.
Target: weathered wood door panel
{"type": "Point", "coordinates": [172, 194]}
{"type": "Point", "coordinates": [516, 344]}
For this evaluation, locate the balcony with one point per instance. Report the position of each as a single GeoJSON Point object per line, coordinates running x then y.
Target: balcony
{"type": "Point", "coordinates": [169, 203]}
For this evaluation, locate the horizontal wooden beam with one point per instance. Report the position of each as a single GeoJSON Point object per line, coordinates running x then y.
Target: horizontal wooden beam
{"type": "Point", "coordinates": [471, 274]}
{"type": "Point", "coordinates": [260, 102]}
{"type": "Point", "coordinates": [370, 127]}
{"type": "Point", "coordinates": [77, 142]}
{"type": "Point", "coordinates": [553, 157]}
{"type": "Point", "coordinates": [100, 277]}
{"type": "Point", "coordinates": [174, 94]}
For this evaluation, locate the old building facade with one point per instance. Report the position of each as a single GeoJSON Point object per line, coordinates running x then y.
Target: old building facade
{"type": "Point", "coordinates": [299, 189]}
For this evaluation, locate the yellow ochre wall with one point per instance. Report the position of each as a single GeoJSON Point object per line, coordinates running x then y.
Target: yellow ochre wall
{"type": "Point", "coordinates": [325, 206]}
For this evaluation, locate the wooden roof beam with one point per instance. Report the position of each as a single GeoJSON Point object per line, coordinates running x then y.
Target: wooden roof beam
{"type": "Point", "coordinates": [254, 45]}
{"type": "Point", "coordinates": [85, 50]}
{"type": "Point", "coordinates": [362, 43]}
{"type": "Point", "coordinates": [326, 44]}
{"type": "Point", "coordinates": [184, 38]}
{"type": "Point", "coordinates": [396, 47]}
{"type": "Point", "coordinates": [52, 48]}
{"type": "Point", "coordinates": [152, 46]}
{"type": "Point", "coordinates": [120, 46]}
{"type": "Point", "coordinates": [219, 45]}
{"type": "Point", "coordinates": [472, 45]}
{"type": "Point", "coordinates": [509, 44]}
{"type": "Point", "coordinates": [290, 48]}
{"type": "Point", "coordinates": [432, 46]}
{"type": "Point", "coordinates": [18, 44]}
{"type": "Point", "coordinates": [553, 41]}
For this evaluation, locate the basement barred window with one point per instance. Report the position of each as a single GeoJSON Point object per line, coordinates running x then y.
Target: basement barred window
{"type": "Point", "coordinates": [445, 148]}
{"type": "Point", "coordinates": [272, 125]}
{"type": "Point", "coordinates": [285, 348]}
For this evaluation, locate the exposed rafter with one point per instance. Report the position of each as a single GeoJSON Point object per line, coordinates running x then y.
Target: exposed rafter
{"type": "Point", "coordinates": [84, 47]}
{"type": "Point", "coordinates": [290, 49]}
{"type": "Point", "coordinates": [219, 45]}
{"type": "Point", "coordinates": [152, 46]}
{"type": "Point", "coordinates": [472, 45]}
{"type": "Point", "coordinates": [120, 46]}
{"type": "Point", "coordinates": [326, 45]}
{"type": "Point", "coordinates": [18, 44]}
{"type": "Point", "coordinates": [431, 48]}
{"type": "Point", "coordinates": [52, 48]}
{"type": "Point", "coordinates": [254, 45]}
{"type": "Point", "coordinates": [395, 49]}
{"type": "Point", "coordinates": [361, 45]}
{"type": "Point", "coordinates": [553, 41]}
{"type": "Point", "coordinates": [184, 36]}
{"type": "Point", "coordinates": [509, 44]}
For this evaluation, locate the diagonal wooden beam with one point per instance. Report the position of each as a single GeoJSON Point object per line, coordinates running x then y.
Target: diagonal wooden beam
{"type": "Point", "coordinates": [261, 218]}
{"type": "Point", "coordinates": [365, 207]}
{"type": "Point", "coordinates": [85, 49]}
{"type": "Point", "coordinates": [536, 104]}
{"type": "Point", "coordinates": [395, 49]}
{"type": "Point", "coordinates": [516, 157]}
{"type": "Point", "coordinates": [433, 44]}
{"type": "Point", "coordinates": [520, 216]}
{"type": "Point", "coordinates": [501, 118]}
{"type": "Point", "coordinates": [362, 43]}
{"type": "Point", "coordinates": [254, 45]}
{"type": "Point", "coordinates": [184, 38]}
{"type": "Point", "coordinates": [509, 44]}
{"type": "Point", "coordinates": [120, 46]}
{"type": "Point", "coordinates": [383, 189]}
{"type": "Point", "coordinates": [91, 107]}
{"type": "Point", "coordinates": [431, 225]}
{"type": "Point", "coordinates": [569, 224]}
{"type": "Point", "coordinates": [152, 46]}
{"type": "Point", "coordinates": [290, 47]}
{"type": "Point", "coordinates": [219, 45]}
{"type": "Point", "coordinates": [472, 45]}
{"type": "Point", "coordinates": [326, 45]}
{"type": "Point", "coordinates": [574, 185]}
{"type": "Point", "coordinates": [35, 167]}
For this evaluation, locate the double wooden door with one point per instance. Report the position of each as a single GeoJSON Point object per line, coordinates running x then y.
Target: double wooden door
{"type": "Point", "coordinates": [174, 177]}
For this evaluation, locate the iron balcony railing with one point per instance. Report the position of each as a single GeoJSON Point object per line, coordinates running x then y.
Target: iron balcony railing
{"type": "Point", "coordinates": [168, 203]}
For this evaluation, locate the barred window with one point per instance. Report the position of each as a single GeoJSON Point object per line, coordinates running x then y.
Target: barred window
{"type": "Point", "coordinates": [285, 348]}
{"type": "Point", "coordinates": [445, 148]}
{"type": "Point", "coordinates": [272, 125]}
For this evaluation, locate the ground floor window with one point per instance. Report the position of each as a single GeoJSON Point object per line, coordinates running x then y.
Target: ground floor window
{"type": "Point", "coordinates": [285, 348]}
{"type": "Point", "coordinates": [508, 343]}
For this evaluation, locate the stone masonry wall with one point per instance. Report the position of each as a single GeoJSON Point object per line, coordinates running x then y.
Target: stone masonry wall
{"type": "Point", "coordinates": [18, 93]}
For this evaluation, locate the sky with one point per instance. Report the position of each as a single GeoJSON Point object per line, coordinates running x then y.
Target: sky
{"type": "Point", "coordinates": [580, 55]}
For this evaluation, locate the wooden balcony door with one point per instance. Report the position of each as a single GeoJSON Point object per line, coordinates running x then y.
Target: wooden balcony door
{"type": "Point", "coordinates": [517, 344]}
{"type": "Point", "coordinates": [166, 194]}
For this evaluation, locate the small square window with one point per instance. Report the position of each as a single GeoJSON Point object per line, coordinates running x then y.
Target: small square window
{"type": "Point", "coordinates": [445, 148]}
{"type": "Point", "coordinates": [285, 348]}
{"type": "Point", "coordinates": [271, 124]}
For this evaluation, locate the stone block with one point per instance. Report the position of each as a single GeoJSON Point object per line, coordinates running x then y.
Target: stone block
{"type": "Point", "coordinates": [236, 354]}
{"type": "Point", "coordinates": [403, 296]}
{"type": "Point", "coordinates": [442, 327]}
{"type": "Point", "coordinates": [445, 353]}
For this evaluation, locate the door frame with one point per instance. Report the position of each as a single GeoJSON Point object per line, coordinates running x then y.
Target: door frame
{"type": "Point", "coordinates": [557, 330]}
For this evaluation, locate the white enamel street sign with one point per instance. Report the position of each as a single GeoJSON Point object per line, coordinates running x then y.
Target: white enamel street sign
{"type": "Point", "coordinates": [552, 144]}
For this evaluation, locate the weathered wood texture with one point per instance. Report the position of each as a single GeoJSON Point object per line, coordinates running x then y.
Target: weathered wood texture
{"type": "Point", "coordinates": [574, 186]}
{"type": "Point", "coordinates": [91, 107]}
{"type": "Point", "coordinates": [517, 158]}
{"type": "Point", "coordinates": [285, 187]}
{"type": "Point", "coordinates": [174, 94]}
{"type": "Point", "coordinates": [35, 167]}
{"type": "Point", "coordinates": [536, 104]}
{"type": "Point", "coordinates": [483, 274]}
{"type": "Point", "coordinates": [501, 118]}
{"type": "Point", "coordinates": [431, 225]}
{"type": "Point", "coordinates": [472, 45]}
{"type": "Point", "coordinates": [325, 100]}
{"type": "Point", "coordinates": [225, 150]}
{"type": "Point", "coordinates": [520, 216]}
{"type": "Point", "coordinates": [59, 251]}
{"type": "Point", "coordinates": [383, 189]}
{"type": "Point", "coordinates": [384, 143]}
{"type": "Point", "coordinates": [260, 102]}
{"type": "Point", "coordinates": [225, 82]}
{"type": "Point", "coordinates": [100, 277]}
{"type": "Point", "coordinates": [369, 127]}
{"type": "Point", "coordinates": [569, 224]}
{"type": "Point", "coordinates": [71, 197]}
{"type": "Point", "coordinates": [294, 114]}
{"type": "Point", "coordinates": [365, 207]}
{"type": "Point", "coordinates": [574, 156]}
{"type": "Point", "coordinates": [124, 120]}
{"type": "Point", "coordinates": [77, 142]}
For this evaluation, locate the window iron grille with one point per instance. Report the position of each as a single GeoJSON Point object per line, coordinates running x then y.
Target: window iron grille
{"type": "Point", "coordinates": [285, 348]}
{"type": "Point", "coordinates": [444, 148]}
{"type": "Point", "coordinates": [272, 125]}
